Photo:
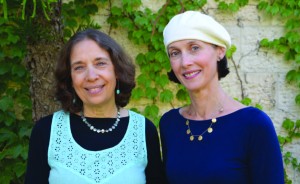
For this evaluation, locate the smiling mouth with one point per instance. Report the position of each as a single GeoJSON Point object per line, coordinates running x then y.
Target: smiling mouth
{"type": "Point", "coordinates": [191, 74]}
{"type": "Point", "coordinates": [95, 90]}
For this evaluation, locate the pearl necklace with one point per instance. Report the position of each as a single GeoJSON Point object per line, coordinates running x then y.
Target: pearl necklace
{"type": "Point", "coordinates": [209, 129]}
{"type": "Point", "coordinates": [102, 130]}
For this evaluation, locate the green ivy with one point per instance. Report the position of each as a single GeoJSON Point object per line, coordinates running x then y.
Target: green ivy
{"type": "Point", "coordinates": [15, 99]}
{"type": "Point", "coordinates": [145, 28]}
{"type": "Point", "coordinates": [288, 46]}
{"type": "Point", "coordinates": [15, 103]}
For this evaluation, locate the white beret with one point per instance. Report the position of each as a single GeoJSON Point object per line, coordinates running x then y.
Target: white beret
{"type": "Point", "coordinates": [196, 26]}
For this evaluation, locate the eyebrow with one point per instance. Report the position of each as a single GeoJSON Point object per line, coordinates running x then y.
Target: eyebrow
{"type": "Point", "coordinates": [96, 59]}
{"type": "Point", "coordinates": [189, 42]}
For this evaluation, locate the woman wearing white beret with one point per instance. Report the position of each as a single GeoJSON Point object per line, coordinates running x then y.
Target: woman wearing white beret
{"type": "Point", "coordinates": [214, 139]}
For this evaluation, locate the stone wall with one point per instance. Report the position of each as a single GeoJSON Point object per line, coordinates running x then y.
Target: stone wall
{"type": "Point", "coordinates": [256, 72]}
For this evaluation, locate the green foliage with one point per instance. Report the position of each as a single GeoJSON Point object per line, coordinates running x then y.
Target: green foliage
{"type": "Point", "coordinates": [293, 131]}
{"type": "Point", "coordinates": [15, 103]}
{"type": "Point", "coordinates": [288, 45]}
{"type": "Point", "coordinates": [232, 7]}
{"type": "Point", "coordinates": [248, 102]}
{"type": "Point", "coordinates": [15, 100]}
{"type": "Point", "coordinates": [145, 28]}
{"type": "Point", "coordinates": [78, 15]}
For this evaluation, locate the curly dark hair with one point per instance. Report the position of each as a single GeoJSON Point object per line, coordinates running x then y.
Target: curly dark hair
{"type": "Point", "coordinates": [123, 66]}
{"type": "Point", "coordinates": [222, 68]}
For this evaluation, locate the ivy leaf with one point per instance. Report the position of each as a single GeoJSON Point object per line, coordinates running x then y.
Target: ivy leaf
{"type": "Point", "coordinates": [15, 151]}
{"type": "Point", "coordinates": [137, 34]}
{"type": "Point", "coordinates": [137, 93]}
{"type": "Point", "coordinates": [281, 139]}
{"type": "Point", "coordinates": [18, 70]}
{"type": "Point", "coordinates": [264, 42]}
{"type": "Point", "coordinates": [283, 49]}
{"type": "Point", "coordinates": [151, 111]}
{"type": "Point", "coordinates": [274, 9]}
{"type": "Point", "coordinates": [234, 7]}
{"type": "Point", "coordinates": [20, 168]}
{"type": "Point", "coordinates": [162, 80]}
{"type": "Point", "coordinates": [161, 56]}
{"type": "Point", "coordinates": [258, 106]}
{"type": "Point", "coordinates": [291, 76]}
{"type": "Point", "coordinates": [116, 11]}
{"type": "Point", "coordinates": [231, 51]}
{"type": "Point", "coordinates": [4, 68]}
{"type": "Point", "coordinates": [298, 124]}
{"type": "Point", "coordinates": [6, 103]}
{"type": "Point", "coordinates": [140, 59]}
{"type": "Point", "coordinates": [143, 80]}
{"type": "Point", "coordinates": [13, 38]}
{"type": "Point", "coordinates": [150, 55]}
{"type": "Point", "coordinates": [7, 136]}
{"type": "Point", "coordinates": [297, 58]}
{"type": "Point", "coordinates": [166, 96]}
{"type": "Point", "coordinates": [246, 101]}
{"type": "Point", "coordinates": [8, 118]}
{"type": "Point", "coordinates": [182, 95]}
{"type": "Point", "coordinates": [297, 48]}
{"type": "Point", "coordinates": [297, 99]}
{"type": "Point", "coordinates": [223, 6]}
{"type": "Point", "coordinates": [151, 93]}
{"type": "Point", "coordinates": [262, 5]}
{"type": "Point", "coordinates": [141, 20]}
{"type": "Point", "coordinates": [288, 124]}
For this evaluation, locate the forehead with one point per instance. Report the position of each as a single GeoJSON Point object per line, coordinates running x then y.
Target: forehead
{"type": "Point", "coordinates": [88, 47]}
{"type": "Point", "coordinates": [184, 42]}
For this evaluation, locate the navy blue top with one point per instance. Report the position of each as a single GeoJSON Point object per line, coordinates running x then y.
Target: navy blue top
{"type": "Point", "coordinates": [38, 168]}
{"type": "Point", "coordinates": [243, 148]}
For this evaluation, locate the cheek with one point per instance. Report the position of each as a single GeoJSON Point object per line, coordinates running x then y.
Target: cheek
{"type": "Point", "coordinates": [174, 65]}
{"type": "Point", "coordinates": [76, 79]}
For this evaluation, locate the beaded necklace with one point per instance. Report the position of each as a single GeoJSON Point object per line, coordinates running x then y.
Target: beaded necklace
{"type": "Point", "coordinates": [102, 130]}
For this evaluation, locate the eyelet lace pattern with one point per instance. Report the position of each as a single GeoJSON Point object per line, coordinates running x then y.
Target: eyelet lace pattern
{"type": "Point", "coordinates": [66, 156]}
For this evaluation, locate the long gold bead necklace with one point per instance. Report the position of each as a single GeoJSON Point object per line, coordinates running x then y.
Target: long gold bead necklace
{"type": "Point", "coordinates": [209, 129]}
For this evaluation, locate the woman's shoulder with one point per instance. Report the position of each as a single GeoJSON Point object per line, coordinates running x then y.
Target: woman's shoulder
{"type": "Point", "coordinates": [171, 113]}
{"type": "Point", "coordinates": [251, 113]}
{"type": "Point", "coordinates": [44, 123]}
{"type": "Point", "coordinates": [170, 116]}
{"type": "Point", "coordinates": [251, 117]}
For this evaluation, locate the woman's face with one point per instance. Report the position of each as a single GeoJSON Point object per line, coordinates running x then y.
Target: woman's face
{"type": "Point", "coordinates": [195, 63]}
{"type": "Point", "coordinates": [92, 73]}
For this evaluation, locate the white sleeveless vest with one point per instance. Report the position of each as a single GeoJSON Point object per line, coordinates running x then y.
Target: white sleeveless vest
{"type": "Point", "coordinates": [124, 163]}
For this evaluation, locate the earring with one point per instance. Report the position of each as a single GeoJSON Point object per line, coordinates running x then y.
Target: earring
{"type": "Point", "coordinates": [118, 90]}
{"type": "Point", "coordinates": [74, 97]}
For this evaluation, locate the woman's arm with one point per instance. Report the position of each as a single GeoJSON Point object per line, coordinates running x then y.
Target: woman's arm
{"type": "Point", "coordinates": [266, 165]}
{"type": "Point", "coordinates": [37, 164]}
{"type": "Point", "coordinates": [154, 170]}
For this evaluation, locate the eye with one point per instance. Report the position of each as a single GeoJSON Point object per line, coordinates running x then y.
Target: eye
{"type": "Point", "coordinates": [77, 67]}
{"type": "Point", "coordinates": [100, 63]}
{"type": "Point", "coordinates": [195, 47]}
{"type": "Point", "coordinates": [173, 53]}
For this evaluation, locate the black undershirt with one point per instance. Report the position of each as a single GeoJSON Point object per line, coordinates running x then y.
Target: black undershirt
{"type": "Point", "coordinates": [38, 168]}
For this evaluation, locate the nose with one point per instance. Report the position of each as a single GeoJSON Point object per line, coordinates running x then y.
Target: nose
{"type": "Point", "coordinates": [92, 74]}
{"type": "Point", "coordinates": [186, 59]}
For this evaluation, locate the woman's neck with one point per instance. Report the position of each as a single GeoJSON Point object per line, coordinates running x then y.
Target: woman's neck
{"type": "Point", "coordinates": [206, 104]}
{"type": "Point", "coordinates": [107, 111]}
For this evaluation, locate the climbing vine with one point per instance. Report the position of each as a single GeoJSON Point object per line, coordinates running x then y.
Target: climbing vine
{"type": "Point", "coordinates": [144, 28]}
{"type": "Point", "coordinates": [288, 46]}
